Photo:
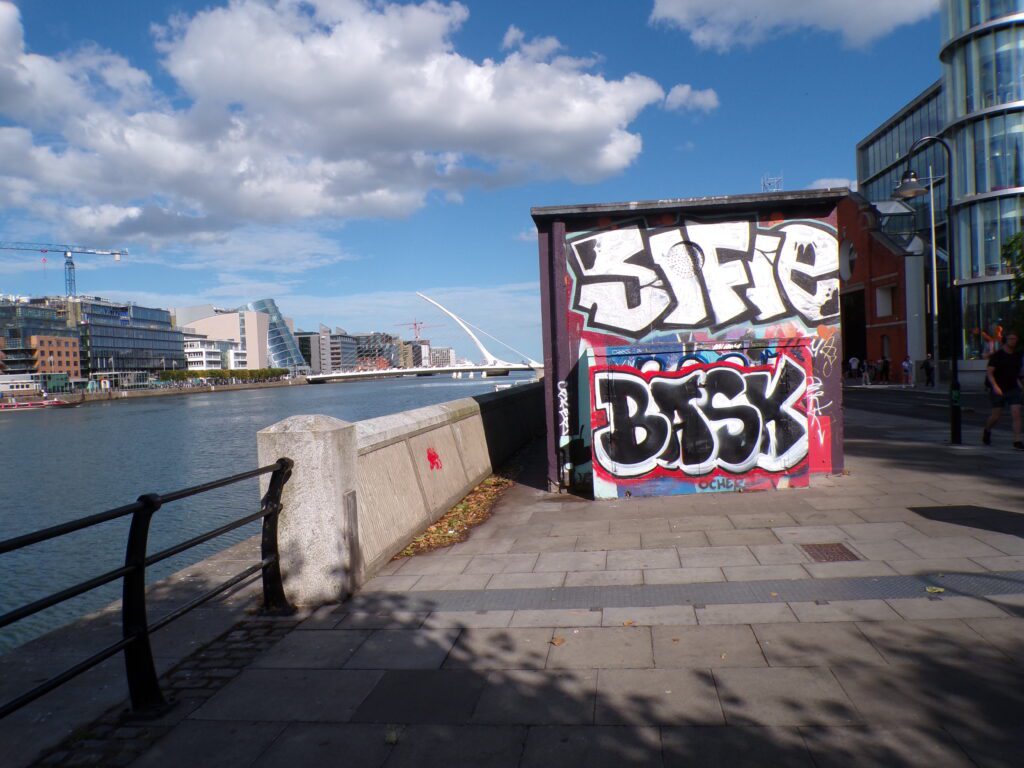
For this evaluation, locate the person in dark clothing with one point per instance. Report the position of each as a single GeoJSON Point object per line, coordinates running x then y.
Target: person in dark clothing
{"type": "Point", "coordinates": [883, 373]}
{"type": "Point", "coordinates": [1004, 378]}
{"type": "Point", "coordinates": [928, 366]}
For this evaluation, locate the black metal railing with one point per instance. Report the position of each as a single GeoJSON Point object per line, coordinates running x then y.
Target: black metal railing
{"type": "Point", "coordinates": [143, 685]}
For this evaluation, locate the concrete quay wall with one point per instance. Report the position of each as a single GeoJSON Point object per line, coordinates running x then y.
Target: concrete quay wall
{"type": "Point", "coordinates": [359, 493]}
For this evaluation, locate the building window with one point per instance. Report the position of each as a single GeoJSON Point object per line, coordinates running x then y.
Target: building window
{"type": "Point", "coordinates": [884, 301]}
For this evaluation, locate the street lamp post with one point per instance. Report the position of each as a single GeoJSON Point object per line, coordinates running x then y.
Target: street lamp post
{"type": "Point", "coordinates": [910, 187]}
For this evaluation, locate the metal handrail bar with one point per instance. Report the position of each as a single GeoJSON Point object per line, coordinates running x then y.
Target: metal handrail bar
{"type": "Point", "coordinates": [28, 539]}
{"type": "Point", "coordinates": [146, 697]}
{"type": "Point", "coordinates": [195, 602]}
{"type": "Point", "coordinates": [177, 549]}
{"type": "Point", "coordinates": [68, 674]}
{"type": "Point", "coordinates": [59, 597]}
{"type": "Point", "coordinates": [167, 498]}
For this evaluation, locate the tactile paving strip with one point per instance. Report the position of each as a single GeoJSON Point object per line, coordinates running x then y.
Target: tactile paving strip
{"type": "Point", "coordinates": [722, 593]}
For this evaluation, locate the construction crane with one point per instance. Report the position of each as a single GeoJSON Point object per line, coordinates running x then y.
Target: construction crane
{"type": "Point", "coordinates": [417, 326]}
{"type": "Point", "coordinates": [67, 250]}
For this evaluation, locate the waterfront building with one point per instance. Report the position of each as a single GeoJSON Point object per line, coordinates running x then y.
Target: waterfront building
{"type": "Point", "coordinates": [325, 351]}
{"type": "Point", "coordinates": [376, 350]}
{"type": "Point", "coordinates": [203, 354]}
{"type": "Point", "coordinates": [115, 336]}
{"type": "Point", "coordinates": [310, 346]}
{"type": "Point", "coordinates": [442, 357]}
{"type": "Point", "coordinates": [36, 339]}
{"type": "Point", "coordinates": [421, 354]}
{"type": "Point", "coordinates": [248, 328]}
{"type": "Point", "coordinates": [282, 348]}
{"type": "Point", "coordinates": [405, 354]}
{"type": "Point", "coordinates": [978, 107]}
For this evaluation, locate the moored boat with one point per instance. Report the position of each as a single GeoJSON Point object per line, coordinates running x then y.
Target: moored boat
{"type": "Point", "coordinates": [35, 405]}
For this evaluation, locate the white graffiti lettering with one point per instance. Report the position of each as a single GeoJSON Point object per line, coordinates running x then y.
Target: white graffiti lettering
{"type": "Point", "coordinates": [563, 409]}
{"type": "Point", "coordinates": [634, 281]}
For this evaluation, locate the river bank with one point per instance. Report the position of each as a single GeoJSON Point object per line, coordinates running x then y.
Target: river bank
{"type": "Point", "coordinates": [126, 394]}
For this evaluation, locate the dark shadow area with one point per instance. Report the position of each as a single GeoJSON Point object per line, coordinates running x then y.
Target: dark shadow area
{"type": "Point", "coordinates": [986, 518]}
{"type": "Point", "coordinates": [511, 419]}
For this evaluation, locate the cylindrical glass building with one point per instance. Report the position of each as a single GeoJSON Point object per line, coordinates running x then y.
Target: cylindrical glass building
{"type": "Point", "coordinates": [983, 87]}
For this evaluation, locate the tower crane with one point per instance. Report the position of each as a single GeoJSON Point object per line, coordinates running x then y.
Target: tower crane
{"type": "Point", "coordinates": [67, 250]}
{"type": "Point", "coordinates": [417, 326]}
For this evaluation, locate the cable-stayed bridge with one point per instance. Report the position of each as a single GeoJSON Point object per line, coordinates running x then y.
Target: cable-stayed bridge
{"type": "Point", "coordinates": [492, 366]}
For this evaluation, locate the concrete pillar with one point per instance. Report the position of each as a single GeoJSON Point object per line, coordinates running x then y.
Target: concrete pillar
{"type": "Point", "coordinates": [317, 530]}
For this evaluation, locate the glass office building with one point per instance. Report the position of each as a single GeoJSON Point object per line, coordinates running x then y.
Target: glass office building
{"type": "Point", "coordinates": [983, 77]}
{"type": "Point", "coordinates": [978, 107]}
{"type": "Point", "coordinates": [122, 337]}
{"type": "Point", "coordinates": [283, 349]}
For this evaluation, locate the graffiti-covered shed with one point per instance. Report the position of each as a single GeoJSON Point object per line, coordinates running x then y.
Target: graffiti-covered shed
{"type": "Point", "coordinates": [693, 345]}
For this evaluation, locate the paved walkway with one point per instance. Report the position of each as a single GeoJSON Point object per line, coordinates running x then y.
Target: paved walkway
{"type": "Point", "coordinates": [697, 631]}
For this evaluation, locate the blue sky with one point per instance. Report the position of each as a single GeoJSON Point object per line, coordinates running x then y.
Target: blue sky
{"type": "Point", "coordinates": [339, 155]}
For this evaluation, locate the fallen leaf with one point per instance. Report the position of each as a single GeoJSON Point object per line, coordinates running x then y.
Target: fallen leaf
{"type": "Point", "coordinates": [723, 656]}
{"type": "Point", "coordinates": [556, 640]}
{"type": "Point", "coordinates": [675, 639]}
{"type": "Point", "coordinates": [628, 623]}
{"type": "Point", "coordinates": [774, 594]}
{"type": "Point", "coordinates": [934, 590]}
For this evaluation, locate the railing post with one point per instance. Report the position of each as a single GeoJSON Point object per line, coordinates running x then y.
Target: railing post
{"type": "Point", "coordinates": [274, 601]}
{"type": "Point", "coordinates": [143, 685]}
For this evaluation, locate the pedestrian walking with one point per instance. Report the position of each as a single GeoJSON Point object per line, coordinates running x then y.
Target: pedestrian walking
{"type": "Point", "coordinates": [908, 372]}
{"type": "Point", "coordinates": [883, 370]}
{"type": "Point", "coordinates": [866, 374]}
{"type": "Point", "coordinates": [854, 367]}
{"type": "Point", "coordinates": [928, 366]}
{"type": "Point", "coordinates": [1004, 379]}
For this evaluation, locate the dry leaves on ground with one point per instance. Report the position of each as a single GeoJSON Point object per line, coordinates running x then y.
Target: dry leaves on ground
{"type": "Point", "coordinates": [456, 524]}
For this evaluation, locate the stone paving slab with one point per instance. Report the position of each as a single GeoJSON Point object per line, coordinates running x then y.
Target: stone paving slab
{"type": "Point", "coordinates": [657, 697]}
{"type": "Point", "coordinates": [420, 746]}
{"type": "Point", "coordinates": [783, 696]}
{"type": "Point", "coordinates": [314, 649]}
{"type": "Point", "coordinates": [212, 744]}
{"type": "Point", "coordinates": [592, 747]}
{"type": "Point", "coordinates": [601, 648]}
{"type": "Point", "coordinates": [815, 645]}
{"type": "Point", "coordinates": [538, 697]}
{"type": "Point", "coordinates": [289, 695]}
{"type": "Point", "coordinates": [705, 647]}
{"type": "Point", "coordinates": [511, 648]}
{"type": "Point", "coordinates": [433, 697]}
{"type": "Point", "coordinates": [403, 649]}
{"type": "Point", "coordinates": [735, 747]}
{"type": "Point", "coordinates": [871, 746]}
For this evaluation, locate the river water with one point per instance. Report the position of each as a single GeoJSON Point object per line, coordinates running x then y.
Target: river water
{"type": "Point", "coordinates": [59, 465]}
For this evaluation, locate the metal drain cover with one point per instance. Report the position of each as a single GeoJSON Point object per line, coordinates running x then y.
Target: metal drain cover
{"type": "Point", "coordinates": [828, 553]}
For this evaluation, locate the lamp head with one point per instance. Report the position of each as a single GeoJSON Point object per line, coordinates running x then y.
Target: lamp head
{"type": "Point", "coordinates": [909, 186]}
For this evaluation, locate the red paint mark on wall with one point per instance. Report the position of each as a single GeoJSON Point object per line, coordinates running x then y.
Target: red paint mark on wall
{"type": "Point", "coordinates": [434, 459]}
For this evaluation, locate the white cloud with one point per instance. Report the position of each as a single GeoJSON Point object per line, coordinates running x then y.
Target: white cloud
{"type": "Point", "coordinates": [722, 25]}
{"type": "Point", "coordinates": [833, 182]}
{"type": "Point", "coordinates": [685, 97]}
{"type": "Point", "coordinates": [282, 111]}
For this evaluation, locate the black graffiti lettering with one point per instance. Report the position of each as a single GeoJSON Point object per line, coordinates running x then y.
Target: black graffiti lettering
{"type": "Point", "coordinates": [721, 417]}
{"type": "Point", "coordinates": [692, 441]}
{"type": "Point", "coordinates": [788, 429]}
{"type": "Point", "coordinates": [628, 403]}
{"type": "Point", "coordinates": [735, 447]}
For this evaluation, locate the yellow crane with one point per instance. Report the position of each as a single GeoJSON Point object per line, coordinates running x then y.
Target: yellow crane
{"type": "Point", "coordinates": [67, 250]}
